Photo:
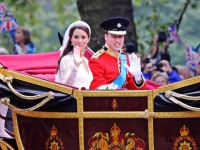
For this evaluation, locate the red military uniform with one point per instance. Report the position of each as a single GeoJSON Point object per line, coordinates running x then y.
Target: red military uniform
{"type": "Point", "coordinates": [105, 68]}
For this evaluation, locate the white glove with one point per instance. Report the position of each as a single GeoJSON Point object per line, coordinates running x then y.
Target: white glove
{"type": "Point", "coordinates": [135, 67]}
{"type": "Point", "coordinates": [78, 58]}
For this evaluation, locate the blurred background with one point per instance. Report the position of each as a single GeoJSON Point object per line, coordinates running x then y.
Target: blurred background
{"type": "Point", "coordinates": [45, 18]}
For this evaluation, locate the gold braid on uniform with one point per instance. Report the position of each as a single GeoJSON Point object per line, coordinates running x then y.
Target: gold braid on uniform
{"type": "Point", "coordinates": [98, 53]}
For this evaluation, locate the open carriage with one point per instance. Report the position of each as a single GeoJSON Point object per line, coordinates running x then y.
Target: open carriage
{"type": "Point", "coordinates": [51, 116]}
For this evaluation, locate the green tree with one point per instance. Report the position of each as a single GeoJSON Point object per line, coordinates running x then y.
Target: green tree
{"type": "Point", "coordinates": [46, 18]}
{"type": "Point", "coordinates": [95, 11]}
{"type": "Point", "coordinates": [155, 15]}
{"type": "Point", "coordinates": [43, 18]}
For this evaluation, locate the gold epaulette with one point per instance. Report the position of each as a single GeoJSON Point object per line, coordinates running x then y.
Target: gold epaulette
{"type": "Point", "coordinates": [98, 53]}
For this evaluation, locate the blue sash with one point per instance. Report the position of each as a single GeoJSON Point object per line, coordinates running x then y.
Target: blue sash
{"type": "Point", "coordinates": [120, 80]}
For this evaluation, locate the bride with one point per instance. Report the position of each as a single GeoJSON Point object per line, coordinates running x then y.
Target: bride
{"type": "Point", "coordinates": [73, 69]}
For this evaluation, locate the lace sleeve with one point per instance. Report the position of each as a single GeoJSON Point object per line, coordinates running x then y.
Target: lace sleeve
{"type": "Point", "coordinates": [68, 70]}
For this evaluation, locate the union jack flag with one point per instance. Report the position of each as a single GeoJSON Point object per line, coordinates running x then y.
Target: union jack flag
{"type": "Point", "coordinates": [174, 34]}
{"type": "Point", "coordinates": [7, 20]}
{"type": "Point", "coordinates": [192, 57]}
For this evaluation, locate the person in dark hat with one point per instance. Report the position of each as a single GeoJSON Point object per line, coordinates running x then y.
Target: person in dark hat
{"type": "Point", "coordinates": [111, 68]}
{"type": "Point", "coordinates": [130, 48]}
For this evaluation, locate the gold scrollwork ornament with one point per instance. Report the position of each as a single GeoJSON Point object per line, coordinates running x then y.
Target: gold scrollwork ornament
{"type": "Point", "coordinates": [114, 104]}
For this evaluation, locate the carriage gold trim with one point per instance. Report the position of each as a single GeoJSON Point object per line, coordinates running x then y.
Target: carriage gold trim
{"type": "Point", "coordinates": [119, 109]}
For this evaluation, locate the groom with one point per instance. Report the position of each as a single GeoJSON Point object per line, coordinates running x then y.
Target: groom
{"type": "Point", "coordinates": [111, 68]}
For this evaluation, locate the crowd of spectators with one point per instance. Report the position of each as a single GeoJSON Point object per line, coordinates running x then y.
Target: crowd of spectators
{"type": "Point", "coordinates": [22, 42]}
{"type": "Point", "coordinates": [156, 66]}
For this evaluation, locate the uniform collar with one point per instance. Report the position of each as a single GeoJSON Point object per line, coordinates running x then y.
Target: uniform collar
{"type": "Point", "coordinates": [111, 52]}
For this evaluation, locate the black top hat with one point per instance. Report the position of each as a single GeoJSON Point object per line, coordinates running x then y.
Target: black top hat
{"type": "Point", "coordinates": [116, 25]}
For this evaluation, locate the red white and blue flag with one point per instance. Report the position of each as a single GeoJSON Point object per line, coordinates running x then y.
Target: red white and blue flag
{"type": "Point", "coordinates": [174, 34]}
{"type": "Point", "coordinates": [192, 57]}
{"type": "Point", "coordinates": [7, 20]}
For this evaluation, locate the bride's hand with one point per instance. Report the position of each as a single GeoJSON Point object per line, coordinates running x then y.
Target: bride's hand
{"type": "Point", "coordinates": [78, 58]}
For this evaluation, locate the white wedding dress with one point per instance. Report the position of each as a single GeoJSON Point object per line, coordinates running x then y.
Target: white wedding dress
{"type": "Point", "coordinates": [71, 75]}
